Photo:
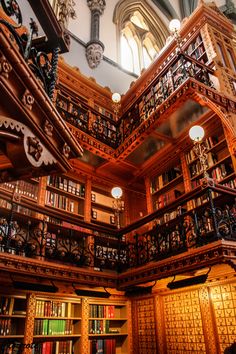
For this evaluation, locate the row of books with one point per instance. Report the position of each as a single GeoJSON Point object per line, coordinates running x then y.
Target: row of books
{"type": "Point", "coordinates": [221, 171]}
{"type": "Point", "coordinates": [231, 183]}
{"type": "Point", "coordinates": [5, 305]}
{"type": "Point", "coordinates": [5, 326]}
{"type": "Point", "coordinates": [166, 198]}
{"type": "Point", "coordinates": [194, 44]}
{"type": "Point", "coordinates": [60, 201]}
{"type": "Point", "coordinates": [209, 142]}
{"type": "Point", "coordinates": [24, 188]}
{"type": "Point", "coordinates": [165, 178]}
{"type": "Point", "coordinates": [58, 347]}
{"type": "Point", "coordinates": [196, 168]}
{"type": "Point", "coordinates": [103, 346]}
{"type": "Point", "coordinates": [202, 200]}
{"type": "Point", "coordinates": [66, 185]}
{"type": "Point", "coordinates": [102, 311]}
{"type": "Point", "coordinates": [51, 308]}
{"type": "Point", "coordinates": [171, 215]}
{"type": "Point", "coordinates": [101, 327]}
{"type": "Point", "coordinates": [103, 111]}
{"type": "Point", "coordinates": [51, 327]}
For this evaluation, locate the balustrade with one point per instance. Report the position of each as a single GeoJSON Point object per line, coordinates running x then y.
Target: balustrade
{"type": "Point", "coordinates": [152, 238]}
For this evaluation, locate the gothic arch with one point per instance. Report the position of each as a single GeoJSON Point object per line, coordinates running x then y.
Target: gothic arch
{"type": "Point", "coordinates": [125, 8]}
{"type": "Point", "coordinates": [221, 112]}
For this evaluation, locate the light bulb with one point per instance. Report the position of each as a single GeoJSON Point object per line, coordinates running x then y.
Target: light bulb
{"type": "Point", "coordinates": [174, 25]}
{"type": "Point", "coordinates": [196, 133]}
{"type": "Point", "coordinates": [116, 192]}
{"type": "Point", "coordinates": [116, 97]}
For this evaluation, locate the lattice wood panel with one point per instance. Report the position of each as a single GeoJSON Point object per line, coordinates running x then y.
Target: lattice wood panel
{"type": "Point", "coordinates": [224, 303]}
{"type": "Point", "coordinates": [146, 326]}
{"type": "Point", "coordinates": [183, 323]}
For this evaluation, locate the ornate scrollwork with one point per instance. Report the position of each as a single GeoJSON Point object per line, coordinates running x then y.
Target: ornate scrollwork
{"type": "Point", "coordinates": [12, 9]}
{"type": "Point", "coordinates": [5, 67]}
{"type": "Point", "coordinates": [65, 11]}
{"type": "Point", "coordinates": [97, 5]}
{"type": "Point", "coordinates": [44, 69]}
{"type": "Point", "coordinates": [35, 149]}
{"type": "Point", "coordinates": [66, 150]}
{"type": "Point", "coordinates": [28, 99]}
{"type": "Point", "coordinates": [48, 128]}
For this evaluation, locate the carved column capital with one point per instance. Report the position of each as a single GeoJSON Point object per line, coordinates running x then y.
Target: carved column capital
{"type": "Point", "coordinates": [97, 5]}
{"type": "Point", "coordinates": [94, 53]}
{"type": "Point", "coordinates": [65, 12]}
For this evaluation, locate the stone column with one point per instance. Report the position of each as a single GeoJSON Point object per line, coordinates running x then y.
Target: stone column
{"type": "Point", "coordinates": [95, 48]}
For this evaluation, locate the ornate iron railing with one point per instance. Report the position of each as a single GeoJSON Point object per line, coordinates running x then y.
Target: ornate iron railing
{"type": "Point", "coordinates": [179, 69]}
{"type": "Point", "coordinates": [87, 119]}
{"type": "Point", "coordinates": [34, 237]}
{"type": "Point", "coordinates": [45, 69]}
{"type": "Point", "coordinates": [77, 112]}
{"type": "Point", "coordinates": [213, 218]}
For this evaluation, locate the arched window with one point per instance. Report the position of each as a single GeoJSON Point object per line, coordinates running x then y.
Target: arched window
{"type": "Point", "coordinates": [141, 35]}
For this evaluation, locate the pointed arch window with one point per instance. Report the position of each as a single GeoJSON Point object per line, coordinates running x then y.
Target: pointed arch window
{"type": "Point", "coordinates": [141, 35]}
{"type": "Point", "coordinates": [137, 36]}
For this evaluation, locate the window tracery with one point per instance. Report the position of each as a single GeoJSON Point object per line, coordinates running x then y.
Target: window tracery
{"type": "Point", "coordinates": [141, 34]}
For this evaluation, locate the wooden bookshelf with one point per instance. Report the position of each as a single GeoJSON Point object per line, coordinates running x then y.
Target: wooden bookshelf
{"type": "Point", "coordinates": [167, 187]}
{"type": "Point", "coordinates": [108, 329]}
{"type": "Point", "coordinates": [65, 194]}
{"type": "Point", "coordinates": [102, 206]}
{"type": "Point", "coordinates": [28, 189]}
{"type": "Point", "coordinates": [12, 316]}
{"type": "Point", "coordinates": [60, 320]}
{"type": "Point", "coordinates": [218, 158]}
{"type": "Point", "coordinates": [196, 49]}
{"type": "Point", "coordinates": [57, 324]}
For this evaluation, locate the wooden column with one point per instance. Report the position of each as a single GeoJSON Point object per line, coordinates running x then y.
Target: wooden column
{"type": "Point", "coordinates": [87, 201]}
{"type": "Point", "coordinates": [29, 322]}
{"type": "Point", "coordinates": [207, 321]}
{"type": "Point", "coordinates": [160, 325]}
{"type": "Point", "coordinates": [85, 349]}
{"type": "Point", "coordinates": [148, 195]}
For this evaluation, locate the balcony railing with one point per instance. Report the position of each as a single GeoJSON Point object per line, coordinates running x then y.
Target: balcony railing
{"type": "Point", "coordinates": [211, 215]}
{"type": "Point", "coordinates": [199, 217]}
{"type": "Point", "coordinates": [89, 120]}
{"type": "Point", "coordinates": [179, 70]}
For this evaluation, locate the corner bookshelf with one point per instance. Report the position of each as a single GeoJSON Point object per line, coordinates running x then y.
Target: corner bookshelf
{"type": "Point", "coordinates": [108, 331]}
{"type": "Point", "coordinates": [196, 49]}
{"type": "Point", "coordinates": [57, 326]}
{"type": "Point", "coordinates": [220, 166]}
{"type": "Point", "coordinates": [65, 194]}
{"type": "Point", "coordinates": [167, 186]}
{"type": "Point", "coordinates": [12, 317]}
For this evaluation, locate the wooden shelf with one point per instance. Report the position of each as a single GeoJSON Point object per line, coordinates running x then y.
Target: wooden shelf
{"type": "Point", "coordinates": [171, 184]}
{"type": "Point", "coordinates": [212, 167]}
{"type": "Point", "coordinates": [12, 336]}
{"type": "Point", "coordinates": [217, 145]}
{"type": "Point", "coordinates": [57, 335]}
{"type": "Point", "coordinates": [62, 191]}
{"type": "Point", "coordinates": [108, 334]}
{"type": "Point", "coordinates": [13, 316]}
{"type": "Point", "coordinates": [107, 319]}
{"type": "Point", "coordinates": [63, 210]}
{"type": "Point", "coordinates": [57, 318]}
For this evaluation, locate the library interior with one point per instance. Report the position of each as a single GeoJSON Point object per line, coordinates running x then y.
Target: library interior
{"type": "Point", "coordinates": [117, 177]}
